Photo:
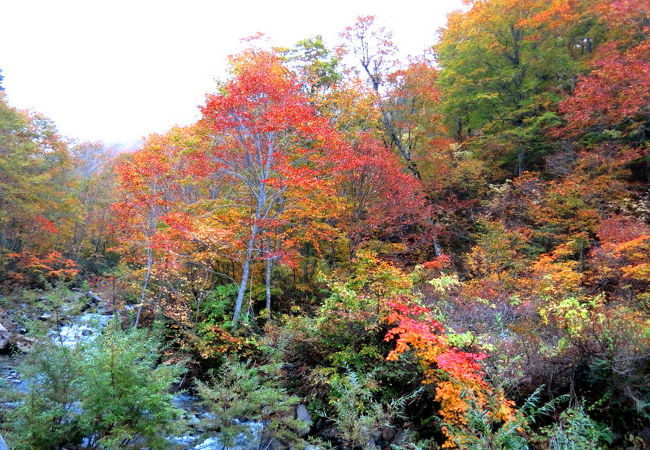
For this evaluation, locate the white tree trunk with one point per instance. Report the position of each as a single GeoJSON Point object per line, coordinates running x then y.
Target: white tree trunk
{"type": "Point", "coordinates": [145, 285]}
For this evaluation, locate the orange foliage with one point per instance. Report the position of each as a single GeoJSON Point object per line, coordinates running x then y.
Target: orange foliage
{"type": "Point", "coordinates": [618, 89]}
{"type": "Point", "coordinates": [457, 375]}
{"type": "Point", "coordinates": [53, 266]}
{"type": "Point", "coordinates": [46, 224]}
{"type": "Point", "coordinates": [440, 262]}
{"type": "Point", "coordinates": [624, 252]}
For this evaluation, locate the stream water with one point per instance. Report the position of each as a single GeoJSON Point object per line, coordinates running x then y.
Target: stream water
{"type": "Point", "coordinates": [9, 372]}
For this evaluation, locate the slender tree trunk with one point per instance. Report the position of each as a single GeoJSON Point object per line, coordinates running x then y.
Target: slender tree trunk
{"type": "Point", "coordinates": [521, 161]}
{"type": "Point", "coordinates": [244, 277]}
{"type": "Point", "coordinates": [145, 285]}
{"type": "Point", "coordinates": [255, 228]}
{"type": "Point", "coordinates": [269, 266]}
{"type": "Point", "coordinates": [397, 142]}
{"type": "Point", "coordinates": [459, 128]}
{"type": "Point", "coordinates": [388, 125]}
{"type": "Point", "coordinates": [436, 246]}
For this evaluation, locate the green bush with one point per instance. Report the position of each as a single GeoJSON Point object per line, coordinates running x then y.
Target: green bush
{"type": "Point", "coordinates": [483, 431]}
{"type": "Point", "coordinates": [357, 414]}
{"type": "Point", "coordinates": [110, 391]}
{"type": "Point", "coordinates": [238, 392]}
{"type": "Point", "coordinates": [216, 308]}
{"type": "Point", "coordinates": [575, 429]}
{"type": "Point", "coordinates": [48, 414]}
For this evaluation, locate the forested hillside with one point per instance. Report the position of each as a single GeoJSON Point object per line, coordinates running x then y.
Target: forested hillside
{"type": "Point", "coordinates": [349, 249]}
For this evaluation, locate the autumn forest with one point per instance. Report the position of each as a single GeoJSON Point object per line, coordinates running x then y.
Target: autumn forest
{"type": "Point", "coordinates": [350, 249]}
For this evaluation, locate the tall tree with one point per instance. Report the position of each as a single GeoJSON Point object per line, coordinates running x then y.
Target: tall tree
{"type": "Point", "coordinates": [35, 181]}
{"type": "Point", "coordinates": [150, 185]}
{"type": "Point", "coordinates": [268, 141]}
{"type": "Point", "coordinates": [375, 51]}
{"type": "Point", "coordinates": [504, 65]}
{"type": "Point", "coordinates": [95, 184]}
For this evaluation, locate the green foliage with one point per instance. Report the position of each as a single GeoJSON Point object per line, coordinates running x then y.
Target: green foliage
{"type": "Point", "coordinates": [48, 414]}
{"type": "Point", "coordinates": [482, 431]}
{"type": "Point", "coordinates": [317, 68]}
{"type": "Point", "coordinates": [111, 391]}
{"type": "Point", "coordinates": [217, 307]}
{"type": "Point", "coordinates": [357, 414]}
{"type": "Point", "coordinates": [125, 394]}
{"type": "Point", "coordinates": [502, 72]}
{"type": "Point", "coordinates": [239, 392]}
{"type": "Point", "coordinates": [350, 319]}
{"type": "Point", "coordinates": [215, 340]}
{"type": "Point", "coordinates": [461, 340]}
{"type": "Point", "coordinates": [575, 429]}
{"type": "Point", "coordinates": [444, 282]}
{"type": "Point", "coordinates": [35, 169]}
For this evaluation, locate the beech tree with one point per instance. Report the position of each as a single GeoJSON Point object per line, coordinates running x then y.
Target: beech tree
{"type": "Point", "coordinates": [149, 188]}
{"type": "Point", "coordinates": [269, 142]}
{"type": "Point", "coordinates": [375, 51]}
{"type": "Point", "coordinates": [504, 64]}
{"type": "Point", "coordinates": [35, 182]}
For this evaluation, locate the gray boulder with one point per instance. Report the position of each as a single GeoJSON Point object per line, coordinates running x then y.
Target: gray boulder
{"type": "Point", "coordinates": [22, 343]}
{"type": "Point", "coordinates": [4, 341]}
{"type": "Point", "coordinates": [303, 414]}
{"type": "Point", "coordinates": [94, 298]}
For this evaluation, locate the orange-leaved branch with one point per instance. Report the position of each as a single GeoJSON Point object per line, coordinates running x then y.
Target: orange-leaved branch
{"type": "Point", "coordinates": [457, 375]}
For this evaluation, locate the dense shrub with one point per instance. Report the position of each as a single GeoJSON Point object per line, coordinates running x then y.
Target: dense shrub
{"type": "Point", "coordinates": [110, 393]}
{"type": "Point", "coordinates": [238, 393]}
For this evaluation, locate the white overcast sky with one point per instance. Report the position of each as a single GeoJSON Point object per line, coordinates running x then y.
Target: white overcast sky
{"type": "Point", "coordinates": [115, 70]}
